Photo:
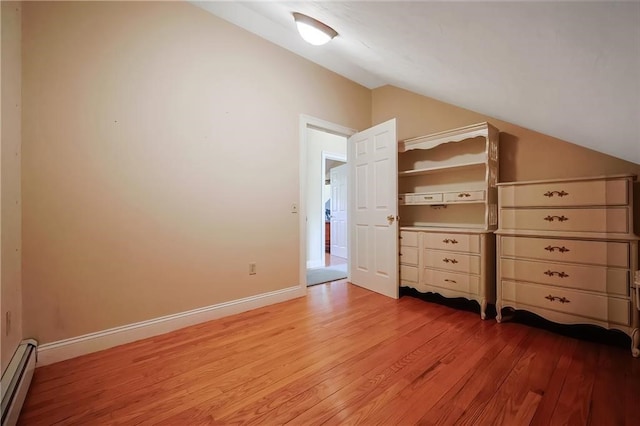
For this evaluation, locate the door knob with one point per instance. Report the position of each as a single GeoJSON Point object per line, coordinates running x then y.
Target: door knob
{"type": "Point", "coordinates": [391, 218]}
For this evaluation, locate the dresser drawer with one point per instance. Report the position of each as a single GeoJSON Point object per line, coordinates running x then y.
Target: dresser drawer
{"type": "Point", "coordinates": [426, 198]}
{"type": "Point", "coordinates": [409, 273]}
{"type": "Point", "coordinates": [450, 280]}
{"type": "Point", "coordinates": [469, 243]}
{"type": "Point", "coordinates": [552, 194]}
{"type": "Point", "coordinates": [558, 250]}
{"type": "Point", "coordinates": [451, 197]}
{"type": "Point", "coordinates": [408, 238]}
{"type": "Point", "coordinates": [409, 255]}
{"type": "Point", "coordinates": [601, 220]}
{"type": "Point", "coordinates": [602, 308]}
{"type": "Point", "coordinates": [592, 278]}
{"type": "Point", "coordinates": [452, 261]}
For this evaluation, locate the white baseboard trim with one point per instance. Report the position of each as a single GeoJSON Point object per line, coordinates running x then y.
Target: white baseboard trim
{"type": "Point", "coordinates": [61, 350]}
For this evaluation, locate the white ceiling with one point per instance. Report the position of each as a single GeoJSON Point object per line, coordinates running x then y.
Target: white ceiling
{"type": "Point", "coordinates": [567, 69]}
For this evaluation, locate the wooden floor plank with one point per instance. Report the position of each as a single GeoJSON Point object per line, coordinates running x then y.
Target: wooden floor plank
{"type": "Point", "coordinates": [373, 344]}
{"type": "Point", "coordinates": [460, 357]}
{"type": "Point", "coordinates": [525, 383]}
{"type": "Point", "coordinates": [234, 378]}
{"type": "Point", "coordinates": [607, 407]}
{"type": "Point", "coordinates": [574, 403]}
{"type": "Point", "coordinates": [420, 363]}
{"type": "Point", "coordinates": [630, 390]}
{"type": "Point", "coordinates": [547, 406]}
{"type": "Point", "coordinates": [471, 393]}
{"type": "Point", "coordinates": [308, 390]}
{"type": "Point", "coordinates": [200, 357]}
{"type": "Point", "coordinates": [343, 355]}
{"type": "Point", "coordinates": [241, 383]}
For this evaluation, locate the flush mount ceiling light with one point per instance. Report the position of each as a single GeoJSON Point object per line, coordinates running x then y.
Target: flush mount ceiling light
{"type": "Point", "coordinates": [312, 30]}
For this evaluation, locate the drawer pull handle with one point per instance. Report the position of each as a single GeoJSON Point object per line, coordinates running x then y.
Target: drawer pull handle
{"type": "Point", "coordinates": [447, 280]}
{"type": "Point", "coordinates": [560, 218]}
{"type": "Point", "coordinates": [552, 273]}
{"type": "Point", "coordinates": [447, 241]}
{"type": "Point", "coordinates": [428, 198]}
{"type": "Point", "coordinates": [559, 193]}
{"type": "Point", "coordinates": [562, 249]}
{"type": "Point", "coordinates": [559, 299]}
{"type": "Point", "coordinates": [464, 194]}
{"type": "Point", "coordinates": [447, 260]}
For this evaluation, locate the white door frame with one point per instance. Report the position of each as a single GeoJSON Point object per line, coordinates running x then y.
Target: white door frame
{"type": "Point", "coordinates": [326, 155]}
{"type": "Point", "coordinates": [308, 122]}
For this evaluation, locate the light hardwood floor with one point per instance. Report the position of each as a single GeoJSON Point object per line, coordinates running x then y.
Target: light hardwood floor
{"type": "Point", "coordinates": [344, 355]}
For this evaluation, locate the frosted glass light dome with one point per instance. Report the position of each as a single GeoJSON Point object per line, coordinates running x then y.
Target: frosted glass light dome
{"type": "Point", "coordinates": [313, 31]}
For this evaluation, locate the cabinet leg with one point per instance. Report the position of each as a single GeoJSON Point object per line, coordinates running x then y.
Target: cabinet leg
{"type": "Point", "coordinates": [483, 309]}
{"type": "Point", "coordinates": [498, 312]}
{"type": "Point", "coordinates": [635, 343]}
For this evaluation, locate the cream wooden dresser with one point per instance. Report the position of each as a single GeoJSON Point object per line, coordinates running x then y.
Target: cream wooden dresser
{"type": "Point", "coordinates": [567, 252]}
{"type": "Point", "coordinates": [448, 212]}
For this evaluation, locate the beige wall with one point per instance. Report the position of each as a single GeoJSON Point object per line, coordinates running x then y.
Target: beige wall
{"type": "Point", "coordinates": [10, 202]}
{"type": "Point", "coordinates": [160, 157]}
{"type": "Point", "coordinates": [524, 154]}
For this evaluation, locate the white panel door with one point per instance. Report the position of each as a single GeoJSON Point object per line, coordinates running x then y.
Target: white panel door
{"type": "Point", "coordinates": [339, 200]}
{"type": "Point", "coordinates": [373, 209]}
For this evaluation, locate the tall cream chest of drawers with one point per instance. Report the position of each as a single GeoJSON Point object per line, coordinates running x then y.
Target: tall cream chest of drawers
{"type": "Point", "coordinates": [567, 252]}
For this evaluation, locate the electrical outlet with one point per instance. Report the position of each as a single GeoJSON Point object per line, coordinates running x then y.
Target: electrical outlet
{"type": "Point", "coordinates": [252, 268]}
{"type": "Point", "coordinates": [7, 322]}
{"type": "Point", "coordinates": [294, 208]}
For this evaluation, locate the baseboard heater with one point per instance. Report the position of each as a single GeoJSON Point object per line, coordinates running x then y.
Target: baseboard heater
{"type": "Point", "coordinates": [16, 380]}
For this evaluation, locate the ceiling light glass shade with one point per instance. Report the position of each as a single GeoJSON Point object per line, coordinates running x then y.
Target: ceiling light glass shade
{"type": "Point", "coordinates": [313, 31]}
{"type": "Point", "coordinates": [312, 35]}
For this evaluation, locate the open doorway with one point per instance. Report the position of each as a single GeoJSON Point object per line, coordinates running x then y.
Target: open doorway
{"type": "Point", "coordinates": [333, 224]}
{"type": "Point", "coordinates": [324, 183]}
{"type": "Point", "coordinates": [334, 204]}
{"type": "Point", "coordinates": [372, 240]}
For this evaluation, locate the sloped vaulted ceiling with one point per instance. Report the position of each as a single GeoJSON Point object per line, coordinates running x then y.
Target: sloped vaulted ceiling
{"type": "Point", "coordinates": [567, 69]}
